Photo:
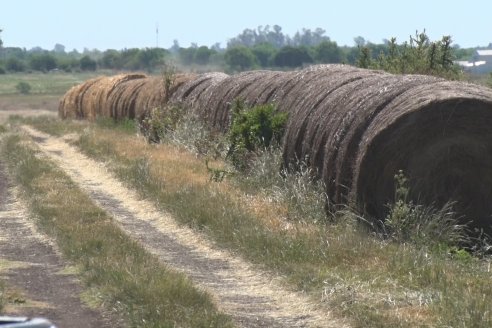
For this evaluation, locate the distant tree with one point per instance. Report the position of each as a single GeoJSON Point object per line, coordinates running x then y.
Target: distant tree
{"type": "Point", "coordinates": [328, 52]}
{"type": "Point", "coordinates": [251, 37]}
{"type": "Point", "coordinates": [130, 58]}
{"type": "Point", "coordinates": [1, 42]}
{"type": "Point", "coordinates": [264, 53]}
{"type": "Point", "coordinates": [111, 59]}
{"type": "Point", "coordinates": [359, 41]}
{"type": "Point", "coordinates": [14, 64]}
{"type": "Point", "coordinates": [175, 47]}
{"type": "Point", "coordinates": [240, 58]}
{"type": "Point", "coordinates": [202, 55]}
{"type": "Point", "coordinates": [59, 48]}
{"type": "Point", "coordinates": [68, 63]}
{"type": "Point", "coordinates": [150, 58]}
{"type": "Point", "coordinates": [309, 38]}
{"type": "Point", "coordinates": [292, 57]}
{"type": "Point", "coordinates": [187, 55]}
{"type": "Point", "coordinates": [42, 62]}
{"type": "Point", "coordinates": [87, 64]}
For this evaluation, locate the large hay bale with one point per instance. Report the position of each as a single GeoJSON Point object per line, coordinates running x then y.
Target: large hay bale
{"type": "Point", "coordinates": [358, 128]}
{"type": "Point", "coordinates": [152, 94]}
{"type": "Point", "coordinates": [219, 99]}
{"type": "Point", "coordinates": [190, 93]}
{"type": "Point", "coordinates": [72, 103]}
{"type": "Point", "coordinates": [122, 100]}
{"type": "Point", "coordinates": [98, 101]}
{"type": "Point", "coordinates": [440, 134]}
{"type": "Point", "coordinates": [67, 107]}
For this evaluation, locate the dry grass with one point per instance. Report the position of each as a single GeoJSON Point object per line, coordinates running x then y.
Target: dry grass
{"type": "Point", "coordinates": [129, 279]}
{"type": "Point", "coordinates": [355, 128]}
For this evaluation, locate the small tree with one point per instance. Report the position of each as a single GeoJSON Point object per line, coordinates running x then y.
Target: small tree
{"type": "Point", "coordinates": [253, 129]}
{"type": "Point", "coordinates": [87, 64]}
{"type": "Point", "coordinates": [240, 58]}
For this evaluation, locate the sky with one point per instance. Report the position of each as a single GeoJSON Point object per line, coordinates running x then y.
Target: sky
{"type": "Point", "coordinates": [109, 24]}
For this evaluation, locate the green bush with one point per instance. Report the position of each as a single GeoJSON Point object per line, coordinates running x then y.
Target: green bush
{"type": "Point", "coordinates": [253, 129]}
{"type": "Point", "coordinates": [419, 55]}
{"type": "Point", "coordinates": [23, 87]}
{"type": "Point", "coordinates": [160, 121]}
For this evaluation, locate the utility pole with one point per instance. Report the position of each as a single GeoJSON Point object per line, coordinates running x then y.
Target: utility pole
{"type": "Point", "coordinates": [157, 35]}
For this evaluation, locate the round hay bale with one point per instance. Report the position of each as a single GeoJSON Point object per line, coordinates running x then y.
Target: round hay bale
{"type": "Point", "coordinates": [98, 103]}
{"type": "Point", "coordinates": [67, 108]}
{"type": "Point", "coordinates": [440, 135]}
{"type": "Point", "coordinates": [123, 98]}
{"type": "Point", "coordinates": [357, 128]}
{"type": "Point", "coordinates": [72, 103]}
{"type": "Point", "coordinates": [189, 93]}
{"type": "Point", "coordinates": [153, 93]}
{"type": "Point", "coordinates": [218, 100]}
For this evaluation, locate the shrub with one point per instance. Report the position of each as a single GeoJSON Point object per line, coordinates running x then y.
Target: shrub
{"type": "Point", "coordinates": [419, 55]}
{"type": "Point", "coordinates": [253, 129]}
{"type": "Point", "coordinates": [160, 121]}
{"type": "Point", "coordinates": [425, 225]}
{"type": "Point", "coordinates": [23, 87]}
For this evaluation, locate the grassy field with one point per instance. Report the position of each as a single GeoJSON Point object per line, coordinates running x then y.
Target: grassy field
{"type": "Point", "coordinates": [373, 281]}
{"type": "Point", "coordinates": [46, 89]}
{"type": "Point", "coordinates": [118, 272]}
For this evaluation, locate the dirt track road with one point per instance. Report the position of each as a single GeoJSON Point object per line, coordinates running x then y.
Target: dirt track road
{"type": "Point", "coordinates": [252, 298]}
{"type": "Point", "coordinates": [38, 284]}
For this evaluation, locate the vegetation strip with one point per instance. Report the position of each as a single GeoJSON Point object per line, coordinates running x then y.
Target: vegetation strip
{"type": "Point", "coordinates": [251, 297]}
{"type": "Point", "coordinates": [121, 274]}
{"type": "Point", "coordinates": [373, 282]}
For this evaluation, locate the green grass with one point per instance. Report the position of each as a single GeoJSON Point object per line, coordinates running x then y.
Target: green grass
{"type": "Point", "coordinates": [125, 276]}
{"type": "Point", "coordinates": [43, 83]}
{"type": "Point", "coordinates": [372, 281]}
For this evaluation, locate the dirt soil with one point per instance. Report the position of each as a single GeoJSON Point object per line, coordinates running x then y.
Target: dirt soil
{"type": "Point", "coordinates": [253, 298]}
{"type": "Point", "coordinates": [38, 282]}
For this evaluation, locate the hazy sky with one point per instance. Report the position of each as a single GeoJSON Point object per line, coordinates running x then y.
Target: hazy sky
{"type": "Point", "coordinates": [125, 24]}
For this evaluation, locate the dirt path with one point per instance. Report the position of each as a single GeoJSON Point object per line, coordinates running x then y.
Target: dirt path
{"type": "Point", "coordinates": [253, 298]}
{"type": "Point", "coordinates": [36, 277]}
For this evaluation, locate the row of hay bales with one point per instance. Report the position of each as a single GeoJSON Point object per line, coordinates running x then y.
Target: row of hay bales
{"type": "Point", "coordinates": [357, 128]}
{"type": "Point", "coordinates": [119, 96]}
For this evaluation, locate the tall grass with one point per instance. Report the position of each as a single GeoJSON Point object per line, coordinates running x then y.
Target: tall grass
{"type": "Point", "coordinates": [346, 267]}
{"type": "Point", "coordinates": [124, 276]}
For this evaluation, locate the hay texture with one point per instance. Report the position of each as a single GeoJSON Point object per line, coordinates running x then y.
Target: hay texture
{"type": "Point", "coordinates": [356, 128]}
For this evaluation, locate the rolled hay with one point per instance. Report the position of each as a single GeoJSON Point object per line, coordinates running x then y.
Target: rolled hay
{"type": "Point", "coordinates": [440, 135]}
{"type": "Point", "coordinates": [122, 101]}
{"type": "Point", "coordinates": [67, 108]}
{"type": "Point", "coordinates": [218, 100]}
{"type": "Point", "coordinates": [357, 128]}
{"type": "Point", "coordinates": [71, 105]}
{"type": "Point", "coordinates": [97, 103]}
{"type": "Point", "coordinates": [152, 93]}
{"type": "Point", "coordinates": [189, 94]}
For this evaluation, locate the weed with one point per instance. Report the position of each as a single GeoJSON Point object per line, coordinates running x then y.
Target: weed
{"type": "Point", "coordinates": [422, 225]}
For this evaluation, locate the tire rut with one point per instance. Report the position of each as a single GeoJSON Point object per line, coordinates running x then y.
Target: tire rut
{"type": "Point", "coordinates": [251, 297]}
{"type": "Point", "coordinates": [35, 273]}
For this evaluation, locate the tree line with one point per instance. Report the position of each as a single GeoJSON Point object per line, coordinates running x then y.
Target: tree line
{"type": "Point", "coordinates": [262, 48]}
